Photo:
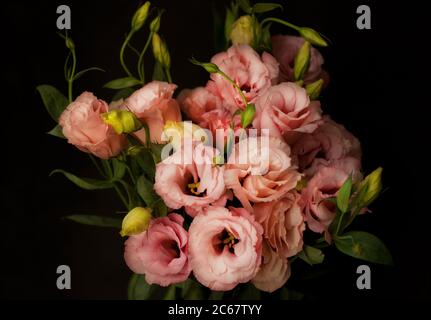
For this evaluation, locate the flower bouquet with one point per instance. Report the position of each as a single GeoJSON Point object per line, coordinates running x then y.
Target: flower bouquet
{"type": "Point", "coordinates": [228, 184]}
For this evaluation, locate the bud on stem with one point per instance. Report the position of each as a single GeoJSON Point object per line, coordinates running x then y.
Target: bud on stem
{"type": "Point", "coordinates": [140, 16]}
{"type": "Point", "coordinates": [302, 61]}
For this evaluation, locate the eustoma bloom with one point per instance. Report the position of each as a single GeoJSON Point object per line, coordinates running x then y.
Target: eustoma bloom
{"type": "Point", "coordinates": [161, 252]}
{"type": "Point", "coordinates": [259, 170]}
{"type": "Point", "coordinates": [252, 73]}
{"type": "Point", "coordinates": [190, 179]}
{"type": "Point", "coordinates": [83, 127]}
{"type": "Point", "coordinates": [154, 105]}
{"type": "Point", "coordinates": [286, 111]}
{"type": "Point", "coordinates": [225, 247]}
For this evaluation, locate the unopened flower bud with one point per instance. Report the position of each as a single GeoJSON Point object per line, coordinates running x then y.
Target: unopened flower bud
{"type": "Point", "coordinates": [70, 44]}
{"type": "Point", "coordinates": [140, 16]}
{"type": "Point", "coordinates": [247, 115]}
{"type": "Point", "coordinates": [314, 89]}
{"type": "Point", "coordinates": [242, 31]}
{"type": "Point", "coordinates": [160, 51]}
{"type": "Point", "coordinates": [312, 36]}
{"type": "Point", "coordinates": [302, 61]}
{"type": "Point", "coordinates": [370, 187]}
{"type": "Point", "coordinates": [122, 121]}
{"type": "Point", "coordinates": [136, 221]}
{"type": "Point", "coordinates": [155, 24]}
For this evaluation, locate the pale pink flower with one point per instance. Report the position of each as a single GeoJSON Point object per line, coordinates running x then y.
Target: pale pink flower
{"type": "Point", "coordinates": [257, 171]}
{"type": "Point", "coordinates": [161, 252]}
{"type": "Point", "coordinates": [286, 111]}
{"type": "Point", "coordinates": [283, 224]}
{"type": "Point", "coordinates": [154, 105]}
{"type": "Point", "coordinates": [274, 270]}
{"type": "Point", "coordinates": [330, 142]}
{"type": "Point", "coordinates": [225, 247]}
{"type": "Point", "coordinates": [195, 103]}
{"type": "Point", "coordinates": [252, 73]}
{"type": "Point", "coordinates": [83, 127]}
{"type": "Point", "coordinates": [190, 180]}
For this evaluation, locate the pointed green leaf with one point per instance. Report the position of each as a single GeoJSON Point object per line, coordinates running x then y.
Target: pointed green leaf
{"type": "Point", "coordinates": [139, 289]}
{"type": "Point", "coordinates": [122, 94]}
{"type": "Point", "coordinates": [57, 131]}
{"type": "Point", "coordinates": [85, 183]}
{"type": "Point", "coordinates": [266, 7]}
{"type": "Point", "coordinates": [82, 72]}
{"type": "Point", "coordinates": [311, 255]}
{"type": "Point", "coordinates": [365, 246]}
{"type": "Point", "coordinates": [55, 102]}
{"type": "Point", "coordinates": [98, 221]}
{"type": "Point", "coordinates": [122, 83]}
{"type": "Point", "coordinates": [146, 191]}
{"type": "Point", "coordinates": [343, 195]}
{"type": "Point", "coordinates": [119, 168]}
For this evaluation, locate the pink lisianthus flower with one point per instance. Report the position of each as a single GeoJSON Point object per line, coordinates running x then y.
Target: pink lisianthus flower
{"type": "Point", "coordinates": [286, 110]}
{"type": "Point", "coordinates": [161, 252]}
{"type": "Point", "coordinates": [83, 127]}
{"type": "Point", "coordinates": [190, 179]}
{"type": "Point", "coordinates": [225, 247]}
{"type": "Point", "coordinates": [154, 105]}
{"type": "Point", "coordinates": [252, 73]}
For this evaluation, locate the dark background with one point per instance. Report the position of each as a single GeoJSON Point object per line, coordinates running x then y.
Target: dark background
{"type": "Point", "coordinates": [378, 90]}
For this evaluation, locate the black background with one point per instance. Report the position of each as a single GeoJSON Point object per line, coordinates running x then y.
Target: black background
{"type": "Point", "coordinates": [378, 90]}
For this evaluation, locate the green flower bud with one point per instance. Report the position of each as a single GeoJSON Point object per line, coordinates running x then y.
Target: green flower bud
{"type": "Point", "coordinates": [134, 150]}
{"type": "Point", "coordinates": [370, 187]}
{"type": "Point", "coordinates": [312, 36]}
{"type": "Point", "coordinates": [242, 31]}
{"type": "Point", "coordinates": [247, 115]}
{"type": "Point", "coordinates": [122, 121]}
{"type": "Point", "coordinates": [208, 66]}
{"type": "Point", "coordinates": [302, 61]}
{"type": "Point", "coordinates": [160, 51]}
{"type": "Point", "coordinates": [140, 16]}
{"type": "Point", "coordinates": [136, 221]}
{"type": "Point", "coordinates": [155, 24]}
{"type": "Point", "coordinates": [314, 89]}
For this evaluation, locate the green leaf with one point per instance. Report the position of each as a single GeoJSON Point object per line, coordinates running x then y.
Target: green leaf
{"type": "Point", "coordinates": [85, 183]}
{"type": "Point", "coordinates": [122, 83]}
{"type": "Point", "coordinates": [139, 289]}
{"type": "Point", "coordinates": [311, 255]}
{"type": "Point", "coordinates": [248, 292]}
{"type": "Point", "coordinates": [119, 168]}
{"type": "Point", "coordinates": [122, 94]}
{"type": "Point", "coordinates": [343, 195]}
{"type": "Point", "coordinates": [57, 131]}
{"type": "Point", "coordinates": [245, 5]}
{"type": "Point", "coordinates": [98, 221]}
{"type": "Point", "coordinates": [146, 162]}
{"type": "Point", "coordinates": [288, 294]}
{"type": "Point", "coordinates": [266, 7]}
{"type": "Point", "coordinates": [248, 115]}
{"type": "Point", "coordinates": [191, 290]}
{"type": "Point", "coordinates": [216, 295]}
{"type": "Point", "coordinates": [82, 72]}
{"type": "Point", "coordinates": [160, 207]}
{"type": "Point", "coordinates": [170, 293]}
{"type": "Point", "coordinates": [365, 246]}
{"type": "Point", "coordinates": [146, 191]}
{"type": "Point", "coordinates": [157, 151]}
{"type": "Point", "coordinates": [159, 72]}
{"type": "Point", "coordinates": [55, 102]}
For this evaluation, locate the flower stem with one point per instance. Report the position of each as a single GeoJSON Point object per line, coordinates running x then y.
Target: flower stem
{"type": "Point", "coordinates": [224, 75]}
{"type": "Point", "coordinates": [120, 194]}
{"type": "Point", "coordinates": [71, 76]}
{"type": "Point", "coordinates": [141, 57]}
{"type": "Point", "coordinates": [285, 23]}
{"type": "Point", "coordinates": [123, 47]}
{"type": "Point", "coordinates": [168, 75]}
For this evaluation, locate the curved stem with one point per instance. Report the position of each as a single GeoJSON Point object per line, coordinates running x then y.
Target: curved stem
{"type": "Point", "coordinates": [123, 64]}
{"type": "Point", "coordinates": [72, 74]}
{"type": "Point", "coordinates": [120, 194]}
{"type": "Point", "coordinates": [224, 75]}
{"type": "Point", "coordinates": [285, 23]}
{"type": "Point", "coordinates": [168, 75]}
{"type": "Point", "coordinates": [141, 57]}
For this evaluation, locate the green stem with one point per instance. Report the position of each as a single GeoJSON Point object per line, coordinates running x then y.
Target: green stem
{"type": "Point", "coordinates": [123, 64]}
{"type": "Point", "coordinates": [99, 169]}
{"type": "Point", "coordinates": [120, 194]}
{"type": "Point", "coordinates": [339, 223]}
{"type": "Point", "coordinates": [141, 57]}
{"type": "Point", "coordinates": [285, 23]}
{"type": "Point", "coordinates": [72, 74]}
{"type": "Point", "coordinates": [224, 75]}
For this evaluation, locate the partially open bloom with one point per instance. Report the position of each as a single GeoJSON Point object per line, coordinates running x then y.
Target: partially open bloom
{"type": "Point", "coordinates": [83, 127]}
{"type": "Point", "coordinates": [283, 224]}
{"type": "Point", "coordinates": [259, 170]}
{"type": "Point", "coordinates": [225, 247]}
{"type": "Point", "coordinates": [274, 270]}
{"type": "Point", "coordinates": [196, 102]}
{"type": "Point", "coordinates": [330, 142]}
{"type": "Point", "coordinates": [286, 110]}
{"type": "Point", "coordinates": [190, 179]}
{"type": "Point", "coordinates": [153, 104]}
{"type": "Point", "coordinates": [161, 252]}
{"type": "Point", "coordinates": [252, 73]}
{"type": "Point", "coordinates": [285, 48]}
